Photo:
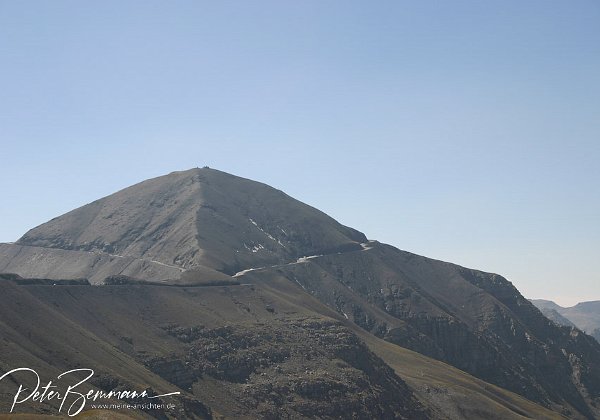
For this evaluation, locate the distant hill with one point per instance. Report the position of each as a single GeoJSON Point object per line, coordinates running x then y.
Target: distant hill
{"type": "Point", "coordinates": [584, 315]}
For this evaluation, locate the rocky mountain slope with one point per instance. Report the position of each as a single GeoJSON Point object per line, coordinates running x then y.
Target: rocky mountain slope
{"type": "Point", "coordinates": [320, 286]}
{"type": "Point", "coordinates": [475, 321]}
{"type": "Point", "coordinates": [263, 350]}
{"type": "Point", "coordinates": [197, 218]}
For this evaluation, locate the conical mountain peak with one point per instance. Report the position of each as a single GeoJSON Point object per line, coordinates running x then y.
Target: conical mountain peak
{"type": "Point", "coordinates": [198, 217]}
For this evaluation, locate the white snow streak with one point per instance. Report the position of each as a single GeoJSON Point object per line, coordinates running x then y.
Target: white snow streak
{"type": "Point", "coordinates": [266, 233]}
{"type": "Point", "coordinates": [241, 273]}
{"type": "Point", "coordinates": [300, 284]}
{"type": "Point", "coordinates": [305, 259]}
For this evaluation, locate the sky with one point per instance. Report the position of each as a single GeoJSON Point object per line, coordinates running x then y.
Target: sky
{"type": "Point", "coordinates": [465, 131]}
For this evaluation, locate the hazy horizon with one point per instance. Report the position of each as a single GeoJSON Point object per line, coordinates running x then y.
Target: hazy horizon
{"type": "Point", "coordinates": [461, 131]}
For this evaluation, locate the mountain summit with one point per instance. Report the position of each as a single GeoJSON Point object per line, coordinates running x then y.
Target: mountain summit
{"type": "Point", "coordinates": [200, 221]}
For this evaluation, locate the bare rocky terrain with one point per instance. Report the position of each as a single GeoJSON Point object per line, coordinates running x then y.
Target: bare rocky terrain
{"type": "Point", "coordinates": [255, 305]}
{"type": "Point", "coordinates": [254, 351]}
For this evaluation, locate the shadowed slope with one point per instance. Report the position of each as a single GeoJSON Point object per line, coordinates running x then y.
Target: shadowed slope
{"type": "Point", "coordinates": [264, 351]}
{"type": "Point", "coordinates": [241, 350]}
{"type": "Point", "coordinates": [475, 321]}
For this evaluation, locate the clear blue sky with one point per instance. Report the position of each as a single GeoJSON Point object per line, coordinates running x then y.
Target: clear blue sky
{"type": "Point", "coordinates": [466, 131]}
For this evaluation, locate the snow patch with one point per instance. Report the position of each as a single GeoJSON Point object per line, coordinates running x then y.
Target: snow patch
{"type": "Point", "coordinates": [305, 259]}
{"type": "Point", "coordinates": [266, 233]}
{"type": "Point", "coordinates": [255, 248]}
{"type": "Point", "coordinates": [241, 273]}
{"type": "Point", "coordinates": [300, 284]}
{"type": "Point", "coordinates": [113, 255]}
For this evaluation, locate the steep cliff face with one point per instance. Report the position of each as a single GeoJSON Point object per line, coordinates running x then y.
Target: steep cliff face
{"type": "Point", "coordinates": [553, 351]}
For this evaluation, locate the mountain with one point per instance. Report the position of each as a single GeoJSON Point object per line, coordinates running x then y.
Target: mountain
{"type": "Point", "coordinates": [546, 304]}
{"type": "Point", "coordinates": [198, 218]}
{"type": "Point", "coordinates": [584, 315]}
{"type": "Point", "coordinates": [554, 315]}
{"type": "Point", "coordinates": [475, 321]}
{"type": "Point", "coordinates": [201, 222]}
{"type": "Point", "coordinates": [250, 301]}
